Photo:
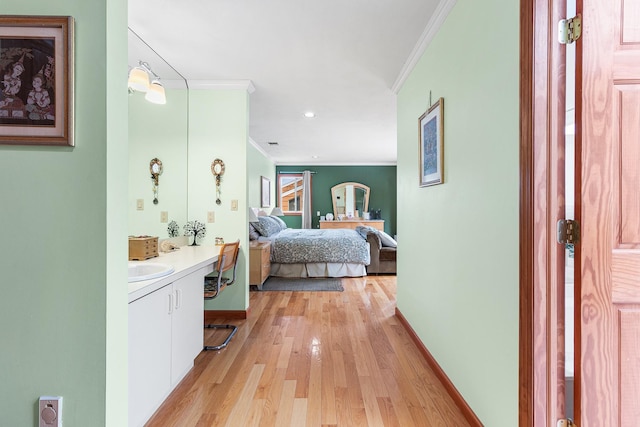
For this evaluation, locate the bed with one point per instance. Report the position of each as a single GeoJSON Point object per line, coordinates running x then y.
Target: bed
{"type": "Point", "coordinates": [312, 252]}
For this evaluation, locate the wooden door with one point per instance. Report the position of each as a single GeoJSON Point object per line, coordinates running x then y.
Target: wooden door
{"type": "Point", "coordinates": [542, 94]}
{"type": "Point", "coordinates": [608, 61]}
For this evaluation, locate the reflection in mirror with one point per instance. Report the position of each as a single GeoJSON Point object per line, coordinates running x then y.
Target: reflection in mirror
{"type": "Point", "coordinates": [155, 167]}
{"type": "Point", "coordinates": [350, 200]}
{"type": "Point", "coordinates": [157, 131]}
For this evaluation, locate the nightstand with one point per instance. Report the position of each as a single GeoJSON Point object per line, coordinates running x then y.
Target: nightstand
{"type": "Point", "coordinates": [259, 262]}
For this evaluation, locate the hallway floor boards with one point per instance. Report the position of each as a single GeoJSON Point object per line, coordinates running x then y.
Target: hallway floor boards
{"type": "Point", "coordinates": [314, 359]}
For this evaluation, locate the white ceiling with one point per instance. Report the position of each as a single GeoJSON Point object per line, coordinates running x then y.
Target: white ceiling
{"type": "Point", "coordinates": [339, 59]}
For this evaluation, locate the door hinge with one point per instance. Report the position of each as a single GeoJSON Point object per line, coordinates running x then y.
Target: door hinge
{"type": "Point", "coordinates": [568, 231]}
{"type": "Point", "coordinates": [566, 422]}
{"type": "Point", "coordinates": [569, 30]}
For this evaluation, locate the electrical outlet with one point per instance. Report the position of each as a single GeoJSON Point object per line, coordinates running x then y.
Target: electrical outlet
{"type": "Point", "coordinates": [234, 205]}
{"type": "Point", "coordinates": [318, 213]}
{"type": "Point", "coordinates": [211, 216]}
{"type": "Point", "coordinates": [164, 216]}
{"type": "Point", "coordinates": [140, 204]}
{"type": "Point", "coordinates": [50, 411]}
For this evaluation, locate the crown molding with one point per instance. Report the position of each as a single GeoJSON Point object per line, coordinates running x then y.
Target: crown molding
{"type": "Point", "coordinates": [222, 85]}
{"type": "Point", "coordinates": [261, 150]}
{"type": "Point", "coordinates": [434, 24]}
{"type": "Point", "coordinates": [173, 83]}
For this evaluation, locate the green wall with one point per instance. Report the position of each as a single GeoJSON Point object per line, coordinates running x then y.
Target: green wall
{"type": "Point", "coordinates": [219, 128]}
{"type": "Point", "coordinates": [64, 225]}
{"type": "Point", "coordinates": [258, 165]}
{"type": "Point", "coordinates": [381, 180]}
{"type": "Point", "coordinates": [458, 254]}
{"type": "Point", "coordinates": [158, 131]}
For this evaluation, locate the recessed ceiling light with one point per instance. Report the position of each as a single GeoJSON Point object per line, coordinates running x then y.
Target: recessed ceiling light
{"type": "Point", "coordinates": [309, 114]}
{"type": "Point", "coordinates": [314, 157]}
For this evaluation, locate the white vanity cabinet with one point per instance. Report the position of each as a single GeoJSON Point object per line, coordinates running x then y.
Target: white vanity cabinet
{"type": "Point", "coordinates": [187, 324]}
{"type": "Point", "coordinates": [165, 336]}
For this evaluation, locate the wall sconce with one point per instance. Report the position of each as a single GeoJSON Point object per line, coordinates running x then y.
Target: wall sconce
{"type": "Point", "coordinates": [139, 81]}
{"type": "Point", "coordinates": [155, 167]}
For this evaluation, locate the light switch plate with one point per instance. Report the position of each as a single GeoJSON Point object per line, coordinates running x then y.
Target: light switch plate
{"type": "Point", "coordinates": [140, 204]}
{"type": "Point", "coordinates": [50, 411]}
{"type": "Point", "coordinates": [164, 216]}
{"type": "Point", "coordinates": [211, 217]}
{"type": "Point", "coordinates": [234, 205]}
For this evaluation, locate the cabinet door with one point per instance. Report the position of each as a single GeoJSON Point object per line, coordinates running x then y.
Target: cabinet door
{"type": "Point", "coordinates": [149, 353]}
{"type": "Point", "coordinates": [187, 323]}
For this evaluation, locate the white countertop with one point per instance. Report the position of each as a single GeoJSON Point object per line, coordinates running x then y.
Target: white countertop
{"type": "Point", "coordinates": [185, 261]}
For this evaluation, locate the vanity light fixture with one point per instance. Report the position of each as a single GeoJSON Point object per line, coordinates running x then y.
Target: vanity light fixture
{"type": "Point", "coordinates": [155, 94]}
{"type": "Point", "coordinates": [139, 81]}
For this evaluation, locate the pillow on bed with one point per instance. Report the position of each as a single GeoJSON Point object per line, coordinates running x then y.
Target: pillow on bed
{"type": "Point", "coordinates": [253, 233]}
{"type": "Point", "coordinates": [283, 225]}
{"type": "Point", "coordinates": [363, 230]}
{"type": "Point", "coordinates": [267, 226]}
{"type": "Point", "coordinates": [387, 240]}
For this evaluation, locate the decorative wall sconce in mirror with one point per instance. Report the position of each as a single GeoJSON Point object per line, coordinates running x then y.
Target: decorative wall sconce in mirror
{"type": "Point", "coordinates": [155, 167]}
{"type": "Point", "coordinates": [139, 82]}
{"type": "Point", "coordinates": [217, 169]}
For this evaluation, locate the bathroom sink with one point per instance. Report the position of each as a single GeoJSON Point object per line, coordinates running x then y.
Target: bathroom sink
{"type": "Point", "coordinates": [148, 270]}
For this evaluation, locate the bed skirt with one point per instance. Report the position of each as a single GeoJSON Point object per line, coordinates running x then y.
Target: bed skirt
{"type": "Point", "coordinates": [318, 269]}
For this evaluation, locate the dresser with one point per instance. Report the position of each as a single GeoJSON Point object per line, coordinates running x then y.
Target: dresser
{"type": "Point", "coordinates": [259, 262]}
{"type": "Point", "coordinates": [353, 223]}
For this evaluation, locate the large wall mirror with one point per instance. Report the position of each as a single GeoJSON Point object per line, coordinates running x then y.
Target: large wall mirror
{"type": "Point", "coordinates": [157, 132]}
{"type": "Point", "coordinates": [350, 200]}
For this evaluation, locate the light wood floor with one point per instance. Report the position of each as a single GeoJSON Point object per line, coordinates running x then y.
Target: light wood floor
{"type": "Point", "coordinates": [314, 359]}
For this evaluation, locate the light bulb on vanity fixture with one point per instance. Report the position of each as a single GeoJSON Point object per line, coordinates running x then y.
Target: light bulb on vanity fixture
{"type": "Point", "coordinates": [139, 81]}
{"type": "Point", "coordinates": [155, 94]}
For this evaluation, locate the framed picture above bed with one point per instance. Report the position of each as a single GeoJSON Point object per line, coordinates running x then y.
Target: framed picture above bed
{"type": "Point", "coordinates": [265, 192]}
{"type": "Point", "coordinates": [432, 145]}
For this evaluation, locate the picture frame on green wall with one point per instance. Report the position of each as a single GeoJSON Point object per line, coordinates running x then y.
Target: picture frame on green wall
{"type": "Point", "coordinates": [36, 94]}
{"type": "Point", "coordinates": [265, 192]}
{"type": "Point", "coordinates": [431, 132]}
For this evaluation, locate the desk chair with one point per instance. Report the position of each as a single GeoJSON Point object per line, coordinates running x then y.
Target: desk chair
{"type": "Point", "coordinates": [214, 283]}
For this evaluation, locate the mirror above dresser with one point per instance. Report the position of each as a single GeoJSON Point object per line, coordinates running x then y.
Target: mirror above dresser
{"type": "Point", "coordinates": [350, 200]}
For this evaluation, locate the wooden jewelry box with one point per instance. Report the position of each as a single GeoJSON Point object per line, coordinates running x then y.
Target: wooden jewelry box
{"type": "Point", "coordinates": [142, 247]}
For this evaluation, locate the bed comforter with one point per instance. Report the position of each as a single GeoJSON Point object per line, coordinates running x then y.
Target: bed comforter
{"type": "Point", "coordinates": [291, 246]}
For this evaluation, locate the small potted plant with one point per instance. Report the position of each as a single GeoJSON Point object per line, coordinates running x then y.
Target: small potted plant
{"type": "Point", "coordinates": [196, 229]}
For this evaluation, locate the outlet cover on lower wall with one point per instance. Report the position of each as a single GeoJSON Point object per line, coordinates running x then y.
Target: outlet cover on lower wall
{"type": "Point", "coordinates": [50, 411]}
{"type": "Point", "coordinates": [211, 216]}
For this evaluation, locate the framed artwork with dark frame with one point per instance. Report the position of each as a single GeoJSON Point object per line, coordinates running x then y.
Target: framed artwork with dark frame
{"type": "Point", "coordinates": [265, 192]}
{"type": "Point", "coordinates": [432, 145]}
{"type": "Point", "coordinates": [36, 94]}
